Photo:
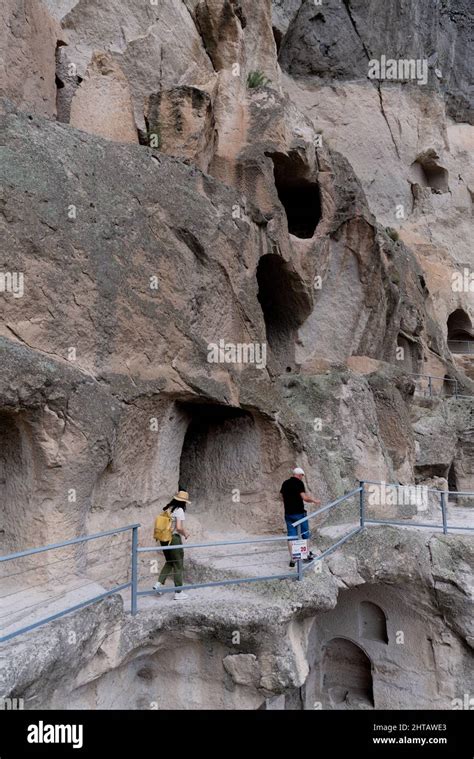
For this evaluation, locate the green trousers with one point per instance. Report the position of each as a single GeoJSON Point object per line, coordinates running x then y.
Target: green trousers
{"type": "Point", "coordinates": [174, 563]}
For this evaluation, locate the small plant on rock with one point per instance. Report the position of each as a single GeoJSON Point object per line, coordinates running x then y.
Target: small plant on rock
{"type": "Point", "coordinates": [257, 79]}
{"type": "Point", "coordinates": [392, 233]}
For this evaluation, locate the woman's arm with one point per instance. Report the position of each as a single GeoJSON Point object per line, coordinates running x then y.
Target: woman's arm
{"type": "Point", "coordinates": [180, 528]}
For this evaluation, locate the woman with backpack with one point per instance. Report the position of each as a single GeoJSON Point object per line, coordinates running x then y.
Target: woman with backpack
{"type": "Point", "coordinates": [170, 525]}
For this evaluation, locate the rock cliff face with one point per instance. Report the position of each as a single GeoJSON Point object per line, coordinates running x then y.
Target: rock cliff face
{"type": "Point", "coordinates": [187, 174]}
{"type": "Point", "coordinates": [335, 41]}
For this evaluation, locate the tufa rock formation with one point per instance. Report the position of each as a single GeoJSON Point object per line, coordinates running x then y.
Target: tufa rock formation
{"type": "Point", "coordinates": [189, 173]}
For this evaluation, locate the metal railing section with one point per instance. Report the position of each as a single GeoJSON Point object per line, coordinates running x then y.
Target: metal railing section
{"type": "Point", "coordinates": [216, 544]}
{"type": "Point", "coordinates": [359, 493]}
{"type": "Point", "coordinates": [435, 386]}
{"type": "Point", "coordinates": [461, 346]}
{"type": "Point", "coordinates": [98, 597]}
{"type": "Point", "coordinates": [443, 496]}
{"type": "Point", "coordinates": [298, 524]}
{"type": "Point", "coordinates": [432, 380]}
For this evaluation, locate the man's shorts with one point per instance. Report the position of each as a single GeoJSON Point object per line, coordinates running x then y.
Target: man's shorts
{"type": "Point", "coordinates": [293, 531]}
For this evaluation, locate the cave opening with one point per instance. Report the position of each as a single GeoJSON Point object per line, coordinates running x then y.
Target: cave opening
{"type": "Point", "coordinates": [435, 177]}
{"type": "Point", "coordinates": [452, 484]}
{"type": "Point", "coordinates": [372, 622]}
{"type": "Point", "coordinates": [427, 172]}
{"type": "Point", "coordinates": [429, 471]}
{"type": "Point", "coordinates": [278, 37]}
{"type": "Point", "coordinates": [450, 386]}
{"type": "Point", "coordinates": [347, 675]}
{"type": "Point", "coordinates": [299, 195]}
{"type": "Point", "coordinates": [220, 455]}
{"type": "Point", "coordinates": [16, 512]}
{"type": "Point", "coordinates": [460, 332]}
{"type": "Point", "coordinates": [285, 303]}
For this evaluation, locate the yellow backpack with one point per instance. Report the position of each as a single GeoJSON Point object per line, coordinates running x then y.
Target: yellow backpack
{"type": "Point", "coordinates": [162, 530]}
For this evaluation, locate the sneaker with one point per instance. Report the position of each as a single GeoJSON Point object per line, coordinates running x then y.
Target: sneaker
{"type": "Point", "coordinates": [292, 564]}
{"type": "Point", "coordinates": [156, 588]}
{"type": "Point", "coordinates": [310, 557]}
{"type": "Point", "coordinates": [180, 596]}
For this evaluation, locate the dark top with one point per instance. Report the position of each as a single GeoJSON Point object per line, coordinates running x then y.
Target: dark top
{"type": "Point", "coordinates": [291, 491]}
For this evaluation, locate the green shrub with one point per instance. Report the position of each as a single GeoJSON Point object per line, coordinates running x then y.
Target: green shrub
{"type": "Point", "coordinates": [257, 79]}
{"type": "Point", "coordinates": [392, 233]}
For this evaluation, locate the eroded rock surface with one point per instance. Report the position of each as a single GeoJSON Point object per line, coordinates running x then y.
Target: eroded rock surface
{"type": "Point", "coordinates": [196, 172]}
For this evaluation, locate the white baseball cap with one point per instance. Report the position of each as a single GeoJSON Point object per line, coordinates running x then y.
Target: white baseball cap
{"type": "Point", "coordinates": [298, 470]}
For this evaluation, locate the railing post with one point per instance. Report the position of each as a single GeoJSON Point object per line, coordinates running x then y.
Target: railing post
{"type": "Point", "coordinates": [455, 389]}
{"type": "Point", "coordinates": [362, 503]}
{"type": "Point", "coordinates": [443, 511]}
{"type": "Point", "coordinates": [299, 562]}
{"type": "Point", "coordinates": [134, 570]}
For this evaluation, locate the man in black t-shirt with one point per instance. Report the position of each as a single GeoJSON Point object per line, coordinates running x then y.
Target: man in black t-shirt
{"type": "Point", "coordinates": [295, 496]}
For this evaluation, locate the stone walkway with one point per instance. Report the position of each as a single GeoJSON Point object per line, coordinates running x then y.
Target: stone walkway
{"type": "Point", "coordinates": [21, 607]}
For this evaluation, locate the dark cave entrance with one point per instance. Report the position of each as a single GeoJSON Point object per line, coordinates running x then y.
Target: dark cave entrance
{"type": "Point", "coordinates": [285, 304]}
{"type": "Point", "coordinates": [429, 472]}
{"type": "Point", "coordinates": [450, 386]}
{"type": "Point", "coordinates": [427, 172]}
{"type": "Point", "coordinates": [372, 622]}
{"type": "Point", "coordinates": [347, 675]}
{"type": "Point", "coordinates": [17, 515]}
{"type": "Point", "coordinates": [220, 454]}
{"type": "Point", "coordinates": [452, 484]}
{"type": "Point", "coordinates": [460, 332]}
{"type": "Point", "coordinates": [435, 177]}
{"type": "Point", "coordinates": [299, 195]}
{"type": "Point", "coordinates": [278, 37]}
{"type": "Point", "coordinates": [452, 481]}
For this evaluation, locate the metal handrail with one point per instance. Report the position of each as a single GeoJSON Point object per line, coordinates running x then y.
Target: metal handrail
{"type": "Point", "coordinates": [239, 581]}
{"type": "Point", "coordinates": [218, 583]}
{"type": "Point", "coordinates": [133, 584]}
{"type": "Point", "coordinates": [455, 343]}
{"type": "Point", "coordinates": [89, 601]}
{"type": "Point", "coordinates": [413, 524]}
{"type": "Point", "coordinates": [433, 376]}
{"type": "Point", "coordinates": [299, 522]}
{"type": "Point", "coordinates": [329, 506]}
{"type": "Point", "coordinates": [299, 564]}
{"type": "Point", "coordinates": [59, 614]}
{"type": "Point", "coordinates": [444, 526]}
{"type": "Point", "coordinates": [217, 543]}
{"type": "Point", "coordinates": [428, 490]}
{"type": "Point", "coordinates": [52, 546]}
{"type": "Point", "coordinates": [135, 550]}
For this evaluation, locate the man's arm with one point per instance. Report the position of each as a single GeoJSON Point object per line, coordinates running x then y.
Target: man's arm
{"type": "Point", "coordinates": [308, 498]}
